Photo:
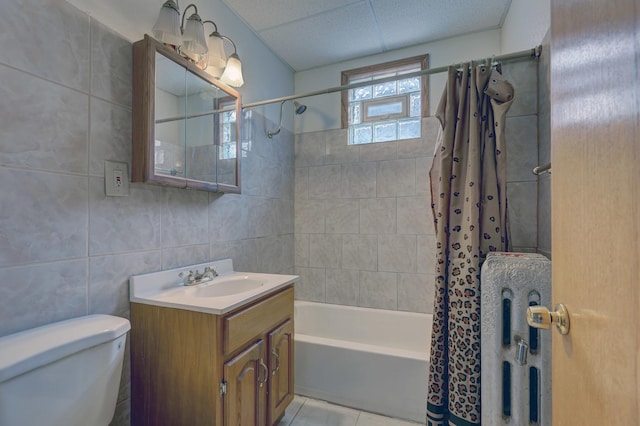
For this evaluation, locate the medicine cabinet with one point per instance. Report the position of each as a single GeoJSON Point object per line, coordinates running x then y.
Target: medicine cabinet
{"type": "Point", "coordinates": [186, 123]}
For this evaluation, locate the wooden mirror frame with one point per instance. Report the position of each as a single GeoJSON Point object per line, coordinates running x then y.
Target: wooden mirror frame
{"type": "Point", "coordinates": [144, 120]}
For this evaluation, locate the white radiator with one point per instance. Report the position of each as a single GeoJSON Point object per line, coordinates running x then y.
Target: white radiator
{"type": "Point", "coordinates": [516, 359]}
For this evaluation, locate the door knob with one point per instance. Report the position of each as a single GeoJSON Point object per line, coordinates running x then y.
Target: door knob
{"type": "Point", "coordinates": [541, 317]}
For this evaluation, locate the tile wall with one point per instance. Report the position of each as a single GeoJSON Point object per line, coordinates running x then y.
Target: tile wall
{"type": "Point", "coordinates": [362, 231]}
{"type": "Point", "coordinates": [65, 248]}
{"type": "Point", "coordinates": [522, 154]}
{"type": "Point", "coordinates": [364, 234]}
{"type": "Point", "coordinates": [544, 151]}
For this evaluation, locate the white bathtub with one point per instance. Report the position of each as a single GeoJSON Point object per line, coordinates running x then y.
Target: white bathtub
{"type": "Point", "coordinates": [370, 359]}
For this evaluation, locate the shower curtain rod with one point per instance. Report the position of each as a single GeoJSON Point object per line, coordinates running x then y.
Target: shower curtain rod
{"type": "Point", "coordinates": [529, 53]}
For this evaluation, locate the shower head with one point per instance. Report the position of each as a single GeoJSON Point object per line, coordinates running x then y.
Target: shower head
{"type": "Point", "coordinates": [299, 108]}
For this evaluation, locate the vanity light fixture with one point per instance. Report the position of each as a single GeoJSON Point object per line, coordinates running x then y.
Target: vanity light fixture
{"type": "Point", "coordinates": [232, 74]}
{"type": "Point", "coordinates": [193, 37]}
{"type": "Point", "coordinates": [217, 55]}
{"type": "Point", "coordinates": [189, 39]}
{"type": "Point", "coordinates": [167, 27]}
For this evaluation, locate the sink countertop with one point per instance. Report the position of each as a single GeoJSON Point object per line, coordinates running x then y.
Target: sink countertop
{"type": "Point", "coordinates": [165, 288]}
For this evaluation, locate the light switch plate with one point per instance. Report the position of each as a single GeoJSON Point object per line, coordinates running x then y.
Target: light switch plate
{"type": "Point", "coordinates": [116, 178]}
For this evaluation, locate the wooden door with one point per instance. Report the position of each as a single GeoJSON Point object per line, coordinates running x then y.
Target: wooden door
{"type": "Point", "coordinates": [245, 399]}
{"type": "Point", "coordinates": [281, 368]}
{"type": "Point", "coordinates": [595, 152]}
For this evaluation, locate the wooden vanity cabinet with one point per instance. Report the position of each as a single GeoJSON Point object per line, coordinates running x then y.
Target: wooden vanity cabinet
{"type": "Point", "coordinates": [194, 368]}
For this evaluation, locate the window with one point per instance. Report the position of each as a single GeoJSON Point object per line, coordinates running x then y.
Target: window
{"type": "Point", "coordinates": [228, 145]}
{"type": "Point", "coordinates": [385, 111]}
{"type": "Point", "coordinates": [227, 135]}
{"type": "Point", "coordinates": [227, 131]}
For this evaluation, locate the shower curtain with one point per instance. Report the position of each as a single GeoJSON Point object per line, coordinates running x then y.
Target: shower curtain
{"type": "Point", "coordinates": [468, 194]}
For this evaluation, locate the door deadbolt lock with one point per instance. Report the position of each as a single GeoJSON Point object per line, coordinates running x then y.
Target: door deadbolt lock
{"type": "Point", "coordinates": [541, 317]}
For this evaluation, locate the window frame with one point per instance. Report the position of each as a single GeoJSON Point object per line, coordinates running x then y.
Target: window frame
{"type": "Point", "coordinates": [354, 74]}
{"type": "Point", "coordinates": [403, 100]}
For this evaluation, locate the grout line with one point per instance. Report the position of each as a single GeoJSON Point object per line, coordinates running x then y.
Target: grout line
{"type": "Point", "coordinates": [296, 413]}
{"type": "Point", "coordinates": [88, 141]}
{"type": "Point", "coordinates": [357, 417]}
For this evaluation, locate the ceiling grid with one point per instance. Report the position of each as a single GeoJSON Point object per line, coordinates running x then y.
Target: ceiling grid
{"type": "Point", "coordinates": [310, 33]}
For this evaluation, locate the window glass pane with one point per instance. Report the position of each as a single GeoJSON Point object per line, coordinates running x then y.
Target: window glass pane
{"type": "Point", "coordinates": [409, 129]}
{"type": "Point", "coordinates": [360, 93]}
{"type": "Point", "coordinates": [226, 133]}
{"type": "Point", "coordinates": [229, 116]}
{"type": "Point", "coordinates": [416, 107]}
{"type": "Point", "coordinates": [378, 109]}
{"type": "Point", "coordinates": [355, 110]}
{"type": "Point", "coordinates": [384, 131]}
{"type": "Point", "coordinates": [409, 85]}
{"type": "Point", "coordinates": [228, 150]}
{"type": "Point", "coordinates": [384, 89]}
{"type": "Point", "coordinates": [362, 134]}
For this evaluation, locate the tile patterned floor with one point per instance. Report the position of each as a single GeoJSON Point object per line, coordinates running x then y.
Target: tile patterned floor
{"type": "Point", "coordinates": [311, 412]}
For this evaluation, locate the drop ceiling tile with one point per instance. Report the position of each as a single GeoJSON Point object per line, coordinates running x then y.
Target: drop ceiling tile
{"type": "Point", "coordinates": [326, 38]}
{"type": "Point", "coordinates": [263, 14]}
{"type": "Point", "coordinates": [406, 22]}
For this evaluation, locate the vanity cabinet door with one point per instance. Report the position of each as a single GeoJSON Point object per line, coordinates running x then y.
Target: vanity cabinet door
{"type": "Point", "coordinates": [246, 375]}
{"type": "Point", "coordinates": [281, 368]}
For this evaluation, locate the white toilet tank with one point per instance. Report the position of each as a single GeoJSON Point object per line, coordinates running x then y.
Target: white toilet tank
{"type": "Point", "coordinates": [62, 374]}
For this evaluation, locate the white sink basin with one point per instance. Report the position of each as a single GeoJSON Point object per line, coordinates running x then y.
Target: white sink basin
{"type": "Point", "coordinates": [227, 286]}
{"type": "Point", "coordinates": [229, 290]}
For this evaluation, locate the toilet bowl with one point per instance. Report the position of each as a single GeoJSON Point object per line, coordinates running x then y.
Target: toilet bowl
{"type": "Point", "coordinates": [62, 374]}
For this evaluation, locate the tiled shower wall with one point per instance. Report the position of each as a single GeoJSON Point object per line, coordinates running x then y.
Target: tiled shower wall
{"type": "Point", "coordinates": [364, 231]}
{"type": "Point", "coordinates": [65, 248]}
{"type": "Point", "coordinates": [522, 154]}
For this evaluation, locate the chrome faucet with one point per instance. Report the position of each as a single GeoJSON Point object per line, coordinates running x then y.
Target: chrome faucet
{"type": "Point", "coordinates": [193, 278]}
{"type": "Point", "coordinates": [209, 274]}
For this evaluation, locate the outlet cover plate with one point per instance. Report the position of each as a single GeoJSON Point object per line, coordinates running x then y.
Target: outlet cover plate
{"type": "Point", "coordinates": [116, 178]}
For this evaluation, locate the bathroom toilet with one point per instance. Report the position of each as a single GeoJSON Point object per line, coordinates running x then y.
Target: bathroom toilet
{"type": "Point", "coordinates": [62, 374]}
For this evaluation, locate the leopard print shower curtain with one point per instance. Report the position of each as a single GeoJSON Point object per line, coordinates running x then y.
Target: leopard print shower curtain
{"type": "Point", "coordinates": [468, 192]}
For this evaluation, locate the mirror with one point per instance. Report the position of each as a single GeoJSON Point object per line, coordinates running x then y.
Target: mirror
{"type": "Point", "coordinates": [185, 129]}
